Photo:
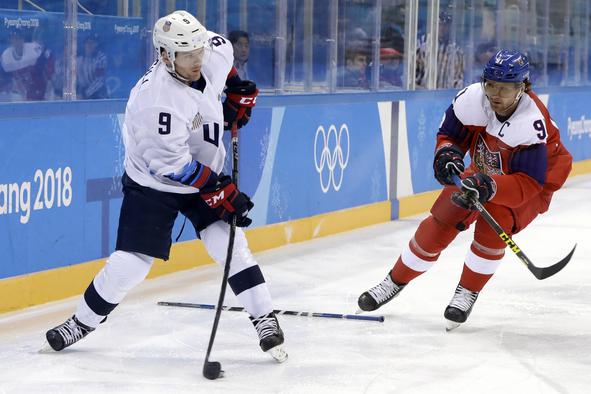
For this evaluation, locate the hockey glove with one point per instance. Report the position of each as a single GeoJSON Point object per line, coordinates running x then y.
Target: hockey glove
{"type": "Point", "coordinates": [226, 200]}
{"type": "Point", "coordinates": [242, 95]}
{"type": "Point", "coordinates": [479, 186]}
{"type": "Point", "coordinates": [449, 160]}
{"type": "Point", "coordinates": [195, 174]}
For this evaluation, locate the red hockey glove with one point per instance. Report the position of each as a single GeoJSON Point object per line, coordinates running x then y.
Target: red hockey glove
{"type": "Point", "coordinates": [226, 200]}
{"type": "Point", "coordinates": [242, 95]}
{"type": "Point", "coordinates": [479, 186]}
{"type": "Point", "coordinates": [449, 160]}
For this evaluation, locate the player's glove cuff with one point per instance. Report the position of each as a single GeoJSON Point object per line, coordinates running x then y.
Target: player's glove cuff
{"type": "Point", "coordinates": [195, 174]}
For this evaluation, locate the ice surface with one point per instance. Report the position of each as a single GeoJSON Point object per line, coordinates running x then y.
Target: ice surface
{"type": "Point", "coordinates": [524, 335]}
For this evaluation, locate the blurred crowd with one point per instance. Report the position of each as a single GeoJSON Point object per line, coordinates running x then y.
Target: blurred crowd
{"type": "Point", "coordinates": [110, 59]}
{"type": "Point", "coordinates": [31, 71]}
{"type": "Point", "coordinates": [451, 59]}
{"type": "Point", "coordinates": [27, 68]}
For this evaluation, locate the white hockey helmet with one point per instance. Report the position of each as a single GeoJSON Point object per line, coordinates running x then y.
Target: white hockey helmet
{"type": "Point", "coordinates": [179, 32]}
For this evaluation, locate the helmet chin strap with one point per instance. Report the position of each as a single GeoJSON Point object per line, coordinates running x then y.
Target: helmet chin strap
{"type": "Point", "coordinates": [176, 75]}
{"type": "Point", "coordinates": [172, 71]}
{"type": "Point", "coordinates": [517, 97]}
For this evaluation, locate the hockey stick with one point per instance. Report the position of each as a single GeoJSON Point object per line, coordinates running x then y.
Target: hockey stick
{"type": "Point", "coordinates": [277, 311]}
{"type": "Point", "coordinates": [539, 272]}
{"type": "Point", "coordinates": [213, 369]}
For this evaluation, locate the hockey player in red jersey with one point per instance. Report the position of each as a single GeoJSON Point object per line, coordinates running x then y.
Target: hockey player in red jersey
{"type": "Point", "coordinates": [517, 163]}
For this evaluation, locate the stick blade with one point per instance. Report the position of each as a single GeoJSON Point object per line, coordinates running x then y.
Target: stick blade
{"type": "Point", "coordinates": [212, 370]}
{"type": "Point", "coordinates": [546, 272]}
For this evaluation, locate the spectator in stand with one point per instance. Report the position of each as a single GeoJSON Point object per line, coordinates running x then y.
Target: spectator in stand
{"type": "Point", "coordinates": [392, 37]}
{"type": "Point", "coordinates": [30, 67]}
{"type": "Point", "coordinates": [392, 68]}
{"type": "Point", "coordinates": [483, 53]}
{"type": "Point", "coordinates": [394, 20]}
{"type": "Point", "coordinates": [91, 71]}
{"type": "Point", "coordinates": [6, 93]}
{"type": "Point", "coordinates": [354, 74]}
{"type": "Point", "coordinates": [450, 58]}
{"type": "Point", "coordinates": [241, 44]}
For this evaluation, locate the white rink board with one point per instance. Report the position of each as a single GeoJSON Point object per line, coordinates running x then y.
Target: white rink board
{"type": "Point", "coordinates": [524, 335]}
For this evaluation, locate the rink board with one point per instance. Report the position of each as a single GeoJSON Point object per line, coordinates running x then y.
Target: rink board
{"type": "Point", "coordinates": [314, 166]}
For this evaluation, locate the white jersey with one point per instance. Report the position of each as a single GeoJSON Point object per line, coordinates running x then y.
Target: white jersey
{"type": "Point", "coordinates": [524, 127]}
{"type": "Point", "coordinates": [496, 146]}
{"type": "Point", "coordinates": [13, 62]}
{"type": "Point", "coordinates": [168, 123]}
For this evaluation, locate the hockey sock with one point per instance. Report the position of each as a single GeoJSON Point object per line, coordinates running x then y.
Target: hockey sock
{"type": "Point", "coordinates": [251, 290]}
{"type": "Point", "coordinates": [479, 267]}
{"type": "Point", "coordinates": [246, 278]}
{"type": "Point", "coordinates": [473, 281]}
{"type": "Point", "coordinates": [412, 262]}
{"type": "Point", "coordinates": [123, 271]}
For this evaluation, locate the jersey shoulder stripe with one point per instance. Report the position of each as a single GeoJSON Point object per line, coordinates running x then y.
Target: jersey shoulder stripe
{"type": "Point", "coordinates": [468, 106]}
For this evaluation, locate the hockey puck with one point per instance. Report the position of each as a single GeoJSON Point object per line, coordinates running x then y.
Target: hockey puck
{"type": "Point", "coordinates": [212, 370]}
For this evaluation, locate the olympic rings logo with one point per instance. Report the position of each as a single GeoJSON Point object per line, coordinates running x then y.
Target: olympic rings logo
{"type": "Point", "coordinates": [334, 151]}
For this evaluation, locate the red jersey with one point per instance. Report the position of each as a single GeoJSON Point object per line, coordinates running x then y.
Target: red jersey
{"type": "Point", "coordinates": [523, 153]}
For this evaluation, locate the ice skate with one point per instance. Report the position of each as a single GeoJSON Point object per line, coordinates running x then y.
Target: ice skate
{"type": "Point", "coordinates": [67, 333]}
{"type": "Point", "coordinates": [378, 295]}
{"type": "Point", "coordinates": [270, 335]}
{"type": "Point", "coordinates": [459, 308]}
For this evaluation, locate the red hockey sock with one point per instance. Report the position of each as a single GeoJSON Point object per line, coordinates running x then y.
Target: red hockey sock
{"type": "Point", "coordinates": [401, 274]}
{"type": "Point", "coordinates": [479, 266]}
{"type": "Point", "coordinates": [412, 263]}
{"type": "Point", "coordinates": [473, 281]}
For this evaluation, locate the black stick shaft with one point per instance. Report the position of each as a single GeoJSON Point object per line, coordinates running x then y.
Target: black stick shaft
{"type": "Point", "coordinates": [218, 311]}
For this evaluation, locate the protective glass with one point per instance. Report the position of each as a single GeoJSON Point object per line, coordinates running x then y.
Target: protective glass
{"type": "Point", "coordinates": [502, 89]}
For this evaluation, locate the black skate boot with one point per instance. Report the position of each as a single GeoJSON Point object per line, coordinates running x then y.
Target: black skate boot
{"type": "Point", "coordinates": [270, 335]}
{"type": "Point", "coordinates": [378, 295]}
{"type": "Point", "coordinates": [67, 333]}
{"type": "Point", "coordinates": [459, 308]}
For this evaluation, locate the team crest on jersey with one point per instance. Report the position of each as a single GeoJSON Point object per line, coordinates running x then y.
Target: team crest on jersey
{"type": "Point", "coordinates": [487, 162]}
{"type": "Point", "coordinates": [197, 121]}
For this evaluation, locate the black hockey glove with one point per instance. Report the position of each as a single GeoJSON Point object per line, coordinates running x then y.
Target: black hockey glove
{"type": "Point", "coordinates": [226, 200]}
{"type": "Point", "coordinates": [449, 160]}
{"type": "Point", "coordinates": [242, 95]}
{"type": "Point", "coordinates": [195, 174]}
{"type": "Point", "coordinates": [479, 186]}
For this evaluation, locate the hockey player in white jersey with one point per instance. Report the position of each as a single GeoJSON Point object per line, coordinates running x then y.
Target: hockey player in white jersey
{"type": "Point", "coordinates": [174, 121]}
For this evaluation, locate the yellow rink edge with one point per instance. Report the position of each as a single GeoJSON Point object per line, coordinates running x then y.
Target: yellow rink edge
{"type": "Point", "coordinates": [41, 287]}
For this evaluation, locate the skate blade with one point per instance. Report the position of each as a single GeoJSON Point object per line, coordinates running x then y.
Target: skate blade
{"type": "Point", "coordinates": [451, 325]}
{"type": "Point", "coordinates": [46, 348]}
{"type": "Point", "coordinates": [278, 353]}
